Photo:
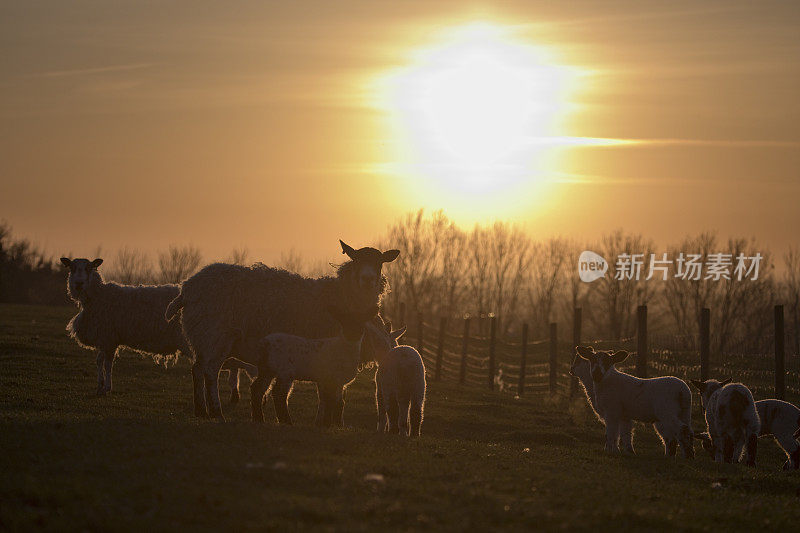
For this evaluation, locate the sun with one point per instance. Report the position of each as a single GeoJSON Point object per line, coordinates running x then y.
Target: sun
{"type": "Point", "coordinates": [474, 111]}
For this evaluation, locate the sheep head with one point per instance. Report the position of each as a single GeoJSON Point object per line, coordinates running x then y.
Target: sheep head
{"type": "Point", "coordinates": [707, 388]}
{"type": "Point", "coordinates": [600, 363]}
{"type": "Point", "coordinates": [82, 272]}
{"type": "Point", "coordinates": [368, 263]}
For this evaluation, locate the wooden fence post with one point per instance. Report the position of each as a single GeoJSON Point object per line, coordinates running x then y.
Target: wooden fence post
{"type": "Point", "coordinates": [492, 339]}
{"type": "Point", "coordinates": [462, 375]}
{"type": "Point", "coordinates": [705, 341]}
{"type": "Point", "coordinates": [402, 316]}
{"type": "Point", "coordinates": [420, 329]}
{"type": "Point", "coordinates": [780, 354]}
{"type": "Point", "coordinates": [523, 360]}
{"type": "Point", "coordinates": [577, 317]}
{"type": "Point", "coordinates": [440, 347]}
{"type": "Point", "coordinates": [641, 341]}
{"type": "Point", "coordinates": [553, 357]}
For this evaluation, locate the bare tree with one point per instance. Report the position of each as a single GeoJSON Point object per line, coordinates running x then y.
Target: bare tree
{"type": "Point", "coordinates": [132, 267]}
{"type": "Point", "coordinates": [238, 256]}
{"type": "Point", "coordinates": [546, 275]}
{"type": "Point", "coordinates": [791, 283]}
{"type": "Point", "coordinates": [178, 263]}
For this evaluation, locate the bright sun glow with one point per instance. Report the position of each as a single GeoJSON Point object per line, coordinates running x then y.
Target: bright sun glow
{"type": "Point", "coordinates": [476, 111]}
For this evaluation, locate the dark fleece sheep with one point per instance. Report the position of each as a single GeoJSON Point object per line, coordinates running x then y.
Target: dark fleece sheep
{"type": "Point", "coordinates": [112, 315]}
{"type": "Point", "coordinates": [227, 309]}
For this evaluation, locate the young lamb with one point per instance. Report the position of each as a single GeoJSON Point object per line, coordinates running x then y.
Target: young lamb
{"type": "Point", "coordinates": [332, 363]}
{"type": "Point", "coordinates": [399, 382]}
{"type": "Point", "coordinates": [779, 419]}
{"type": "Point", "coordinates": [619, 399]}
{"type": "Point", "coordinates": [112, 315]}
{"type": "Point", "coordinates": [227, 309]}
{"type": "Point", "coordinates": [731, 418]}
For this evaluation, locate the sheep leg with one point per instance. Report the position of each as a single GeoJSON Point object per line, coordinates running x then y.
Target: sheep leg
{"type": "Point", "coordinates": [321, 407]}
{"type": "Point", "coordinates": [686, 442]}
{"type": "Point", "coordinates": [280, 397]}
{"type": "Point", "coordinates": [258, 389]}
{"type": "Point", "coordinates": [211, 379]}
{"type": "Point", "coordinates": [200, 404]}
{"type": "Point", "coordinates": [233, 382]}
{"type": "Point", "coordinates": [392, 409]}
{"type": "Point", "coordinates": [789, 445]}
{"type": "Point", "coordinates": [667, 434]}
{"type": "Point", "coordinates": [752, 447]}
{"type": "Point", "coordinates": [108, 366]}
{"type": "Point", "coordinates": [727, 449]}
{"type": "Point", "coordinates": [626, 436]}
{"type": "Point", "coordinates": [416, 417]}
{"type": "Point", "coordinates": [612, 434]}
{"type": "Point", "coordinates": [338, 407]}
{"type": "Point", "coordinates": [381, 408]}
{"type": "Point", "coordinates": [403, 405]}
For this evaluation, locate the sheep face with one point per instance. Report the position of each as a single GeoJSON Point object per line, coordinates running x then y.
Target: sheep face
{"type": "Point", "coordinates": [80, 275]}
{"type": "Point", "coordinates": [707, 388]}
{"type": "Point", "coordinates": [580, 367]}
{"type": "Point", "coordinates": [368, 264]}
{"type": "Point", "coordinates": [600, 363]}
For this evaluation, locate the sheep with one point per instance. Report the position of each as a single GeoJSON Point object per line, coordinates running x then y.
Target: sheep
{"type": "Point", "coordinates": [732, 419]}
{"type": "Point", "coordinates": [332, 363]}
{"type": "Point", "coordinates": [112, 315]}
{"type": "Point", "coordinates": [227, 309]}
{"type": "Point", "coordinates": [399, 382]}
{"type": "Point", "coordinates": [779, 419]}
{"type": "Point", "coordinates": [620, 399]}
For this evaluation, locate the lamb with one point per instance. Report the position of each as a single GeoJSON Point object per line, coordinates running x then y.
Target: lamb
{"type": "Point", "coordinates": [619, 399]}
{"type": "Point", "coordinates": [332, 363]}
{"type": "Point", "coordinates": [731, 418]}
{"type": "Point", "coordinates": [112, 315]}
{"type": "Point", "coordinates": [227, 309]}
{"type": "Point", "coordinates": [779, 419]}
{"type": "Point", "coordinates": [399, 382]}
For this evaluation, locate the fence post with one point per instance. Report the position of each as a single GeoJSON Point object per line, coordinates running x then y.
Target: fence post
{"type": "Point", "coordinates": [577, 317]}
{"type": "Point", "coordinates": [523, 360]}
{"type": "Point", "coordinates": [641, 341]}
{"type": "Point", "coordinates": [440, 347]}
{"type": "Point", "coordinates": [402, 315]}
{"type": "Point", "coordinates": [462, 375]}
{"type": "Point", "coordinates": [553, 356]}
{"type": "Point", "coordinates": [492, 339]}
{"type": "Point", "coordinates": [705, 341]}
{"type": "Point", "coordinates": [780, 354]}
{"type": "Point", "coordinates": [420, 329]}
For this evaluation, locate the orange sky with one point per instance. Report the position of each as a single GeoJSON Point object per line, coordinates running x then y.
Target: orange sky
{"type": "Point", "coordinates": [148, 124]}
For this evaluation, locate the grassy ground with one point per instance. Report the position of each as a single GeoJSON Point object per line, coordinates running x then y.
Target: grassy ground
{"type": "Point", "coordinates": [138, 459]}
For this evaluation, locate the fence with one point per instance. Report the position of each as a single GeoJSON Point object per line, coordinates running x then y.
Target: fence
{"type": "Point", "coordinates": [542, 365]}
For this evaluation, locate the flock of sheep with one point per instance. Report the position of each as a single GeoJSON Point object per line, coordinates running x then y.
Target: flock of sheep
{"type": "Point", "coordinates": [283, 327]}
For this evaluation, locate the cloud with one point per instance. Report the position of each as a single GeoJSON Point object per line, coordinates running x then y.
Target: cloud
{"type": "Point", "coordinates": [94, 70]}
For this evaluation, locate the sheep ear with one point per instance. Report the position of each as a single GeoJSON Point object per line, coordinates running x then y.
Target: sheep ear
{"type": "Point", "coordinates": [66, 261]}
{"type": "Point", "coordinates": [348, 250]}
{"type": "Point", "coordinates": [96, 263]}
{"type": "Point", "coordinates": [389, 256]}
{"type": "Point", "coordinates": [388, 326]}
{"type": "Point", "coordinates": [584, 351]}
{"type": "Point", "coordinates": [725, 381]}
{"type": "Point", "coordinates": [399, 333]}
{"type": "Point", "coordinates": [699, 385]}
{"type": "Point", "coordinates": [619, 356]}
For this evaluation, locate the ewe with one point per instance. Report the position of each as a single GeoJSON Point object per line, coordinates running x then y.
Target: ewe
{"type": "Point", "coordinates": [332, 363]}
{"type": "Point", "coordinates": [227, 309]}
{"type": "Point", "coordinates": [399, 382]}
{"type": "Point", "coordinates": [619, 399]}
{"type": "Point", "coordinates": [731, 418]}
{"type": "Point", "coordinates": [112, 315]}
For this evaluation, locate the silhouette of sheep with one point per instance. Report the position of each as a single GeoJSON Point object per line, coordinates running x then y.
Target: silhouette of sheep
{"type": "Point", "coordinates": [227, 309]}
{"type": "Point", "coordinates": [112, 315]}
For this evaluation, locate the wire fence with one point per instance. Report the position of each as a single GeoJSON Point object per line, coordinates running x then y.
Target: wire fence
{"type": "Point", "coordinates": [453, 353]}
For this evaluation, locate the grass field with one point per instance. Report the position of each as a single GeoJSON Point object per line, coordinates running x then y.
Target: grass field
{"type": "Point", "coordinates": [138, 459]}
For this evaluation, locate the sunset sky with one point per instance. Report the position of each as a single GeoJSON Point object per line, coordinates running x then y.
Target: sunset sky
{"type": "Point", "coordinates": [292, 124]}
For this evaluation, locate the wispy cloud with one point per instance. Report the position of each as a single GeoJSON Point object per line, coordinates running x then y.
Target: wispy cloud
{"type": "Point", "coordinates": [723, 143]}
{"type": "Point", "coordinates": [93, 70]}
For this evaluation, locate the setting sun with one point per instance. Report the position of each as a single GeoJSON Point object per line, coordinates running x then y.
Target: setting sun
{"type": "Point", "coordinates": [475, 109]}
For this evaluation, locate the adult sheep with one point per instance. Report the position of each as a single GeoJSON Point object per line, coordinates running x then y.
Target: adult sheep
{"type": "Point", "coordinates": [227, 309]}
{"type": "Point", "coordinates": [111, 315]}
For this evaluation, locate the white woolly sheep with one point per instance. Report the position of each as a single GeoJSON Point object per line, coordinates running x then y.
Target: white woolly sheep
{"type": "Point", "coordinates": [112, 315]}
{"type": "Point", "coordinates": [779, 419]}
{"type": "Point", "coordinates": [620, 399]}
{"type": "Point", "coordinates": [732, 421]}
{"type": "Point", "coordinates": [331, 363]}
{"type": "Point", "coordinates": [227, 309]}
{"type": "Point", "coordinates": [399, 382]}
